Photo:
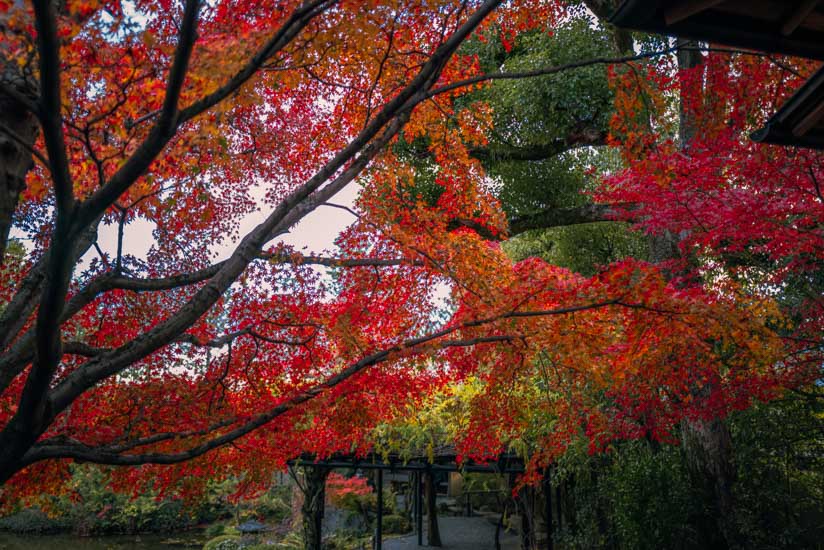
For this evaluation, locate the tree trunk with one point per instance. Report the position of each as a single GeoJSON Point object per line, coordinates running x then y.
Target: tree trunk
{"type": "Point", "coordinates": [526, 509]}
{"type": "Point", "coordinates": [18, 132]}
{"type": "Point", "coordinates": [433, 534]}
{"type": "Point", "coordinates": [707, 445]}
{"type": "Point", "coordinates": [709, 456]}
{"type": "Point", "coordinates": [314, 495]}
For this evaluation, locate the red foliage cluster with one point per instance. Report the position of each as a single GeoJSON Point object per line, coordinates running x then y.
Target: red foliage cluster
{"type": "Point", "coordinates": [165, 357]}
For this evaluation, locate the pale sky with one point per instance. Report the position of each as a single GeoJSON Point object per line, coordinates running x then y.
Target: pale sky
{"type": "Point", "coordinates": [314, 234]}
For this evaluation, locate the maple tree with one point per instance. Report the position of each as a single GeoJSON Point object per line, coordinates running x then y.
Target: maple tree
{"type": "Point", "coordinates": [729, 213]}
{"type": "Point", "coordinates": [193, 117]}
{"type": "Point", "coordinates": [174, 114]}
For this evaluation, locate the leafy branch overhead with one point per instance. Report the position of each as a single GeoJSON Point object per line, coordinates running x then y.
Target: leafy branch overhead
{"type": "Point", "coordinates": [157, 155]}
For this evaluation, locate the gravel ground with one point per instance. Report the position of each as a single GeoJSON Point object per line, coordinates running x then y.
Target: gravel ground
{"type": "Point", "coordinates": [459, 533]}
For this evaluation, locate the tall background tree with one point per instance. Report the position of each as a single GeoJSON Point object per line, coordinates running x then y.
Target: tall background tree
{"type": "Point", "coordinates": [689, 113]}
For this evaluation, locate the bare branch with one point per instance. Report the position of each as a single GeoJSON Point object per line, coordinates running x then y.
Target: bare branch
{"type": "Point", "coordinates": [546, 70]}
{"type": "Point", "coordinates": [593, 137]}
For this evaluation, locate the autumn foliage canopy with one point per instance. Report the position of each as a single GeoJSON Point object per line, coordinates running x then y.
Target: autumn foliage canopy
{"type": "Point", "coordinates": [222, 125]}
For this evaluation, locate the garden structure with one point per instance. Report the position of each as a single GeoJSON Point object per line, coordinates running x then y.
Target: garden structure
{"type": "Point", "coordinates": [536, 520]}
{"type": "Point", "coordinates": [780, 27]}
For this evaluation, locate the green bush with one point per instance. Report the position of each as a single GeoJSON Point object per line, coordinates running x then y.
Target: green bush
{"type": "Point", "coordinates": [224, 542]}
{"type": "Point", "coordinates": [215, 530]}
{"type": "Point", "coordinates": [649, 498]}
{"type": "Point", "coordinates": [345, 540]}
{"type": "Point", "coordinates": [275, 504]}
{"type": "Point", "coordinates": [780, 457]}
{"type": "Point", "coordinates": [636, 497]}
{"type": "Point", "coordinates": [94, 508]}
{"type": "Point", "coordinates": [396, 525]}
{"type": "Point", "coordinates": [215, 505]}
{"type": "Point", "coordinates": [32, 521]}
{"type": "Point", "coordinates": [292, 541]}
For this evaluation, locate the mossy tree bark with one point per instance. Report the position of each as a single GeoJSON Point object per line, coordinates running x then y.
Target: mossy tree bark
{"type": "Point", "coordinates": [18, 132]}
{"type": "Point", "coordinates": [313, 487]}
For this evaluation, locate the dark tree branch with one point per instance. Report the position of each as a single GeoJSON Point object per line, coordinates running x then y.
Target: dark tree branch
{"type": "Point", "coordinates": [167, 123]}
{"type": "Point", "coordinates": [362, 148]}
{"type": "Point", "coordinates": [560, 217]}
{"type": "Point", "coordinates": [547, 70]}
{"type": "Point", "coordinates": [103, 455]}
{"type": "Point", "coordinates": [35, 413]}
{"type": "Point", "coordinates": [581, 138]}
{"type": "Point", "coordinates": [51, 117]}
{"type": "Point", "coordinates": [17, 312]}
{"type": "Point", "coordinates": [227, 339]}
{"type": "Point", "coordinates": [18, 356]}
{"type": "Point", "coordinates": [81, 348]}
{"type": "Point", "coordinates": [163, 131]}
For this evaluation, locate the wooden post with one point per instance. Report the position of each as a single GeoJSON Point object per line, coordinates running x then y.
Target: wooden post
{"type": "Point", "coordinates": [526, 510]}
{"type": "Point", "coordinates": [418, 508]}
{"type": "Point", "coordinates": [379, 518]}
{"type": "Point", "coordinates": [558, 510]}
{"type": "Point", "coordinates": [548, 508]}
{"type": "Point", "coordinates": [433, 533]}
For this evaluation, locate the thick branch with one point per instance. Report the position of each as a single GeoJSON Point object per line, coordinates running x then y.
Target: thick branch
{"type": "Point", "coordinates": [50, 110]}
{"type": "Point", "coordinates": [289, 211]}
{"type": "Point", "coordinates": [580, 138]}
{"type": "Point", "coordinates": [103, 455]}
{"type": "Point", "coordinates": [21, 353]}
{"type": "Point", "coordinates": [167, 123]}
{"type": "Point", "coordinates": [19, 309]}
{"type": "Point", "coordinates": [559, 217]}
{"type": "Point", "coordinates": [546, 70]}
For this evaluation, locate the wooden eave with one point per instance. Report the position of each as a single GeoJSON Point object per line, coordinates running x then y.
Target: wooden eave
{"type": "Point", "coordinates": [442, 460]}
{"type": "Point", "coordinates": [789, 27]}
{"type": "Point", "coordinates": [800, 121]}
{"type": "Point", "coordinates": [792, 27]}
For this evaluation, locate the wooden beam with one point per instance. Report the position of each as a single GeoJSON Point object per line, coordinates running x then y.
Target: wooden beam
{"type": "Point", "coordinates": [810, 120]}
{"type": "Point", "coordinates": [687, 8]}
{"type": "Point", "coordinates": [797, 16]}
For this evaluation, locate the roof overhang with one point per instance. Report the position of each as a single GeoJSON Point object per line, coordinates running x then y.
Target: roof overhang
{"type": "Point", "coordinates": [792, 27]}
{"type": "Point", "coordinates": [800, 121]}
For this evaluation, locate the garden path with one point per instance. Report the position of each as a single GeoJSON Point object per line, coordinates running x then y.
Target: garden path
{"type": "Point", "coordinates": [459, 533]}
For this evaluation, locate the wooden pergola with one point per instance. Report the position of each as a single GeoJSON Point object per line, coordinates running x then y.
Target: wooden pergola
{"type": "Point", "coordinates": [791, 27]}
{"type": "Point", "coordinates": [442, 460]}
